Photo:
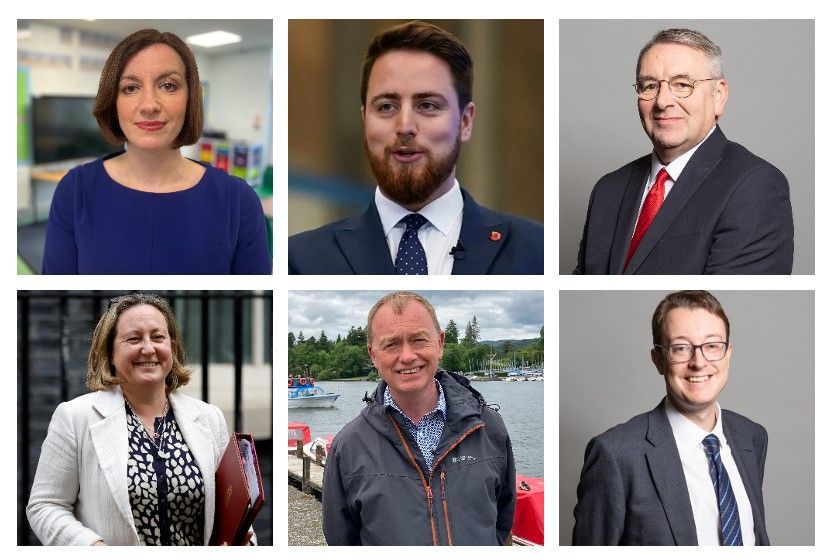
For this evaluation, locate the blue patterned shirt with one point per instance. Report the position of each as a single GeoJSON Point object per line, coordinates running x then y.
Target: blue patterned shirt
{"type": "Point", "coordinates": [428, 431]}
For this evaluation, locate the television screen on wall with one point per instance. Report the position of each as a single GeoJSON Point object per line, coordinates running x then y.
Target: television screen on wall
{"type": "Point", "coordinates": [63, 128]}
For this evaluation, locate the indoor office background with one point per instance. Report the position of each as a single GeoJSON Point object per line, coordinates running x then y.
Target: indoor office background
{"type": "Point", "coordinates": [607, 377]}
{"type": "Point", "coordinates": [502, 165]}
{"type": "Point", "coordinates": [769, 67]}
{"type": "Point", "coordinates": [228, 338]}
{"type": "Point", "coordinates": [59, 64]}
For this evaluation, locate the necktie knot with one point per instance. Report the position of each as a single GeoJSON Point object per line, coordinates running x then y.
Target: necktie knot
{"type": "Point", "coordinates": [413, 222]}
{"type": "Point", "coordinates": [662, 177]}
{"type": "Point", "coordinates": [711, 444]}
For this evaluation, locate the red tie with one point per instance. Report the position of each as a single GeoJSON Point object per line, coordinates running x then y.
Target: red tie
{"type": "Point", "coordinates": [650, 209]}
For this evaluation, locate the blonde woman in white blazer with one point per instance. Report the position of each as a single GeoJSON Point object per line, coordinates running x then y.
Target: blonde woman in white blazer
{"type": "Point", "coordinates": [134, 461]}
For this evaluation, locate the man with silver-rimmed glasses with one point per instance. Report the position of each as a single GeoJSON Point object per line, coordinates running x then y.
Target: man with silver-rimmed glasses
{"type": "Point", "coordinates": [688, 472]}
{"type": "Point", "coordinates": [699, 204]}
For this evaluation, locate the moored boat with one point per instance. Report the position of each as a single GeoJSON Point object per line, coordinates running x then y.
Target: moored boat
{"type": "Point", "coordinates": [303, 393]}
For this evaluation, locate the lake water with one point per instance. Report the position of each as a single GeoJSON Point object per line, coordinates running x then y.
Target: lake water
{"type": "Point", "coordinates": [521, 408]}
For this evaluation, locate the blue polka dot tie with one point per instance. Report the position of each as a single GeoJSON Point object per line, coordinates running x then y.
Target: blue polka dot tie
{"type": "Point", "coordinates": [728, 509]}
{"type": "Point", "coordinates": [411, 258]}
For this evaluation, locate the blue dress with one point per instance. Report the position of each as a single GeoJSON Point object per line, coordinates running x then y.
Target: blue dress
{"type": "Point", "coordinates": [98, 226]}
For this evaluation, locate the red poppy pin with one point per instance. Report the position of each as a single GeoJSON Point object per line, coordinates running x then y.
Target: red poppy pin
{"type": "Point", "coordinates": [496, 236]}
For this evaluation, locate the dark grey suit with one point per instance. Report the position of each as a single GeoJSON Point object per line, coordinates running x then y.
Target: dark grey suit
{"type": "Point", "coordinates": [632, 489]}
{"type": "Point", "coordinates": [729, 212]}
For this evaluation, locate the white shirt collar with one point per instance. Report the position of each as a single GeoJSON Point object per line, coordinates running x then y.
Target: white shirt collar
{"type": "Point", "coordinates": [688, 435]}
{"type": "Point", "coordinates": [675, 168]}
{"type": "Point", "coordinates": [441, 213]}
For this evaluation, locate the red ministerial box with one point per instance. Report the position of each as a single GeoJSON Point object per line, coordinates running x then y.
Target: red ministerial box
{"type": "Point", "coordinates": [239, 491]}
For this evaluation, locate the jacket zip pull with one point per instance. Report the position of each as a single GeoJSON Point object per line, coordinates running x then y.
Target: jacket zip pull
{"type": "Point", "coordinates": [446, 512]}
{"type": "Point", "coordinates": [443, 492]}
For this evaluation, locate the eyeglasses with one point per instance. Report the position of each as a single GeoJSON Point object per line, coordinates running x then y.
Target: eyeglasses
{"type": "Point", "coordinates": [680, 86]}
{"type": "Point", "coordinates": [679, 353]}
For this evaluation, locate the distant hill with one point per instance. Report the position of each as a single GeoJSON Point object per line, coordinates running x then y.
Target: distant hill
{"type": "Point", "coordinates": [518, 344]}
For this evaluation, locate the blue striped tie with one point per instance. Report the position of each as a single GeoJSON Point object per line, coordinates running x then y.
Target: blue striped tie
{"type": "Point", "coordinates": [728, 509]}
{"type": "Point", "coordinates": [411, 258]}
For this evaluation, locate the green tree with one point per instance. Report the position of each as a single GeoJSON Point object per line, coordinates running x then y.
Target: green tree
{"type": "Point", "coordinates": [300, 338]}
{"type": "Point", "coordinates": [476, 356]}
{"type": "Point", "coordinates": [356, 336]}
{"type": "Point", "coordinates": [471, 332]}
{"type": "Point", "coordinates": [323, 342]}
{"type": "Point", "coordinates": [507, 348]}
{"type": "Point", "coordinates": [453, 358]}
{"type": "Point", "coordinates": [292, 340]}
{"type": "Point", "coordinates": [348, 361]}
{"type": "Point", "coordinates": [451, 333]}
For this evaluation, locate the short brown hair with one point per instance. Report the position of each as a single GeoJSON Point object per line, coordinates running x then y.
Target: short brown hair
{"type": "Point", "coordinates": [687, 299]}
{"type": "Point", "coordinates": [424, 37]}
{"type": "Point", "coordinates": [105, 111]}
{"type": "Point", "coordinates": [399, 300]}
{"type": "Point", "coordinates": [100, 372]}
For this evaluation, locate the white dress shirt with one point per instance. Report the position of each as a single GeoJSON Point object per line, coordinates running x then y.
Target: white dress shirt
{"type": "Point", "coordinates": [688, 438]}
{"type": "Point", "coordinates": [674, 170]}
{"type": "Point", "coordinates": [438, 236]}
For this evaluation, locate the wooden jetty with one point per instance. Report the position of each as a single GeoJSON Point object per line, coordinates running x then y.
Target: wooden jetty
{"type": "Point", "coordinates": [306, 472]}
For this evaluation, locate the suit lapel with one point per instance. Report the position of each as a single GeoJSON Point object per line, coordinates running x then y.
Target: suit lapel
{"type": "Point", "coordinates": [741, 445]}
{"type": "Point", "coordinates": [363, 243]}
{"type": "Point", "coordinates": [109, 438]}
{"type": "Point", "coordinates": [627, 218]}
{"type": "Point", "coordinates": [695, 172]}
{"type": "Point", "coordinates": [482, 235]}
{"type": "Point", "coordinates": [668, 477]}
{"type": "Point", "coordinates": [200, 442]}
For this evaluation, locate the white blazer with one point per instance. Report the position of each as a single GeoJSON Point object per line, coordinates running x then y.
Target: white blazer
{"type": "Point", "coordinates": [80, 490]}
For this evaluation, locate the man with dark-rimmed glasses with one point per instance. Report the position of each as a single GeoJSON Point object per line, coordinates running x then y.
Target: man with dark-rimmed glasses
{"type": "Point", "coordinates": [699, 204]}
{"type": "Point", "coordinates": [688, 472]}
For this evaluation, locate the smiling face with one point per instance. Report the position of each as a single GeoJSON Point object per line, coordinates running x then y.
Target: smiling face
{"type": "Point", "coordinates": [152, 98]}
{"type": "Point", "coordinates": [406, 349]}
{"type": "Point", "coordinates": [141, 353]}
{"type": "Point", "coordinates": [693, 386]}
{"type": "Point", "coordinates": [413, 126]}
{"type": "Point", "coordinates": [677, 125]}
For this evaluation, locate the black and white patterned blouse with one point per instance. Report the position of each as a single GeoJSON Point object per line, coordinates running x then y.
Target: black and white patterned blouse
{"type": "Point", "coordinates": [165, 485]}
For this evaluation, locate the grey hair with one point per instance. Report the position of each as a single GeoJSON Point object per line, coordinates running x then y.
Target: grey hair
{"type": "Point", "coordinates": [689, 38]}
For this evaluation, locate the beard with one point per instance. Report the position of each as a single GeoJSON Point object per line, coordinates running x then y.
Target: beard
{"type": "Point", "coordinates": [412, 184]}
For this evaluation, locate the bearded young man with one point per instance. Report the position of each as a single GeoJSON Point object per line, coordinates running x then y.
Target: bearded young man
{"type": "Point", "coordinates": [417, 110]}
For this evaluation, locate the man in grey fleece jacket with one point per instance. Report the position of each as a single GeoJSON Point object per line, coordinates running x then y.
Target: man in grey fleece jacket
{"type": "Point", "coordinates": [427, 462]}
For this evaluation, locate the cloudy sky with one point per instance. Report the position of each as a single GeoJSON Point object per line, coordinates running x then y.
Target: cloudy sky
{"type": "Point", "coordinates": [501, 314]}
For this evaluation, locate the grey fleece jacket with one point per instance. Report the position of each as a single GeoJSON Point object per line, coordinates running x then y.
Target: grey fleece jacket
{"type": "Point", "coordinates": [377, 489]}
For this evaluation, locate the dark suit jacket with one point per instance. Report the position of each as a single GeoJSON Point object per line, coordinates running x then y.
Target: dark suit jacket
{"type": "Point", "coordinates": [632, 489]}
{"type": "Point", "coordinates": [493, 243]}
{"type": "Point", "coordinates": [728, 213]}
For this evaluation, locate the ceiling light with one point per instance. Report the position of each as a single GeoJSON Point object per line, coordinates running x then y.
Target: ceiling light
{"type": "Point", "coordinates": [214, 39]}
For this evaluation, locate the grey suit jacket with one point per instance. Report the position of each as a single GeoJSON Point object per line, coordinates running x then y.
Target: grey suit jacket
{"type": "Point", "coordinates": [632, 489]}
{"type": "Point", "coordinates": [79, 493]}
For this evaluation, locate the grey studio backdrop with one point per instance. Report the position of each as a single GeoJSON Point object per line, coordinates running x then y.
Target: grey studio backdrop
{"type": "Point", "coordinates": [769, 66]}
{"type": "Point", "coordinates": [607, 377]}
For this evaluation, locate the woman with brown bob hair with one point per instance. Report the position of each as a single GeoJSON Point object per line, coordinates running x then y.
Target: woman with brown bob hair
{"type": "Point", "coordinates": [133, 462]}
{"type": "Point", "coordinates": [148, 209]}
